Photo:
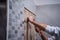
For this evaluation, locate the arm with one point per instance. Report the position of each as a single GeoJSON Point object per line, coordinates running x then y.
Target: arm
{"type": "Point", "coordinates": [43, 36]}
{"type": "Point", "coordinates": [39, 25]}
{"type": "Point", "coordinates": [47, 28]}
{"type": "Point", "coordinates": [41, 33]}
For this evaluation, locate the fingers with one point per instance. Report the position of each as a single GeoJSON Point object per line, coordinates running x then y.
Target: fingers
{"type": "Point", "coordinates": [37, 29]}
{"type": "Point", "coordinates": [31, 18]}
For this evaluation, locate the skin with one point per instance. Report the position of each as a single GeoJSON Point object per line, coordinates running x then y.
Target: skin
{"type": "Point", "coordinates": [41, 33]}
{"type": "Point", "coordinates": [39, 27]}
{"type": "Point", "coordinates": [43, 36]}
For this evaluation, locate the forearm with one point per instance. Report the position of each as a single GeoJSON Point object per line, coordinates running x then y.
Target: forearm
{"type": "Point", "coordinates": [39, 25]}
{"type": "Point", "coordinates": [41, 33]}
{"type": "Point", "coordinates": [43, 36]}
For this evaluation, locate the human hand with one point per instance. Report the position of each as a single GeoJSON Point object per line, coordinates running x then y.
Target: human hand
{"type": "Point", "coordinates": [37, 29]}
{"type": "Point", "coordinates": [31, 18]}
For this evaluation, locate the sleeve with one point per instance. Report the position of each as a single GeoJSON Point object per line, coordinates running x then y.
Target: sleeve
{"type": "Point", "coordinates": [50, 39]}
{"type": "Point", "coordinates": [53, 29]}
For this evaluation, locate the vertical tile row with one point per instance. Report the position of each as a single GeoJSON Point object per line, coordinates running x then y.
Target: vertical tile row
{"type": "Point", "coordinates": [16, 26]}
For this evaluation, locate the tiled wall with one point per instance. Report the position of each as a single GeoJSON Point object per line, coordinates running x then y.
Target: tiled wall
{"type": "Point", "coordinates": [16, 26]}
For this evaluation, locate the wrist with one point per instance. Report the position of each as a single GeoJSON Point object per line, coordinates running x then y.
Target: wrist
{"type": "Point", "coordinates": [31, 20]}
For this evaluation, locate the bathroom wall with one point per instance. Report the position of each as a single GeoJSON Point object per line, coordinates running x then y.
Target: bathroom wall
{"type": "Point", "coordinates": [45, 2]}
{"type": "Point", "coordinates": [15, 18]}
{"type": "Point", "coordinates": [48, 14]}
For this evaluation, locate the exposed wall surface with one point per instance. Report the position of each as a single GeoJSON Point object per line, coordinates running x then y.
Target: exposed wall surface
{"type": "Point", "coordinates": [45, 2]}
{"type": "Point", "coordinates": [48, 14]}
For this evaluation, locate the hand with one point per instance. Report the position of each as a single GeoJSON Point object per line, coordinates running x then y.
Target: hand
{"type": "Point", "coordinates": [31, 18]}
{"type": "Point", "coordinates": [37, 29]}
